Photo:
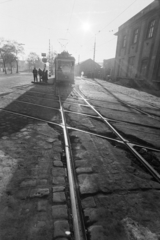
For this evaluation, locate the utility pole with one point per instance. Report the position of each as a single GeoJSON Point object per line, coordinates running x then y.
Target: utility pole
{"type": "Point", "coordinates": [94, 53]}
{"type": "Point", "coordinates": [94, 50]}
{"type": "Point", "coordinates": [49, 60]}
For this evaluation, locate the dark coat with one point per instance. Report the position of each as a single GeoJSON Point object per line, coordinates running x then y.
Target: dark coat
{"type": "Point", "coordinates": [45, 75]}
{"type": "Point", "coordinates": [34, 71]}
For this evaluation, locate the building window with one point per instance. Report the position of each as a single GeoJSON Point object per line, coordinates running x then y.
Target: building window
{"type": "Point", "coordinates": [135, 36]}
{"type": "Point", "coordinates": [151, 29]}
{"type": "Point", "coordinates": [131, 67]}
{"type": "Point", "coordinates": [144, 65]}
{"type": "Point", "coordinates": [124, 41]}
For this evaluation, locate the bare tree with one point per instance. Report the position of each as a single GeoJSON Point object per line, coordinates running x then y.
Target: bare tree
{"type": "Point", "coordinates": [9, 52]}
{"type": "Point", "coordinates": [34, 60]}
{"type": "Point", "coordinates": [10, 59]}
{"type": "Point", "coordinates": [18, 50]}
{"type": "Point", "coordinates": [8, 56]}
{"type": "Point", "coordinates": [2, 53]}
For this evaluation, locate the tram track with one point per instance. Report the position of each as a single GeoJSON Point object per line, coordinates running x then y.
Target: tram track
{"type": "Point", "coordinates": [80, 231]}
{"type": "Point", "coordinates": [79, 113]}
{"type": "Point", "coordinates": [76, 129]}
{"type": "Point", "coordinates": [78, 218]}
{"type": "Point", "coordinates": [142, 100]}
{"type": "Point", "coordinates": [129, 105]}
{"type": "Point", "coordinates": [129, 145]}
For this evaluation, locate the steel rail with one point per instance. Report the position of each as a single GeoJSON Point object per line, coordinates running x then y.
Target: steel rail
{"type": "Point", "coordinates": [56, 100]}
{"type": "Point", "coordinates": [79, 231]}
{"type": "Point", "coordinates": [97, 135]}
{"type": "Point", "coordinates": [132, 123]}
{"type": "Point", "coordinates": [127, 143]}
{"type": "Point", "coordinates": [154, 116]}
{"type": "Point", "coordinates": [77, 129]}
{"type": "Point", "coordinates": [139, 110]}
{"type": "Point", "coordinates": [44, 106]}
{"type": "Point", "coordinates": [129, 105]}
{"type": "Point", "coordinates": [104, 119]}
{"type": "Point", "coordinates": [158, 108]}
{"type": "Point", "coordinates": [79, 113]}
{"type": "Point", "coordinates": [34, 104]}
{"type": "Point", "coordinates": [68, 127]}
{"type": "Point", "coordinates": [92, 116]}
{"type": "Point", "coordinates": [116, 140]}
{"type": "Point", "coordinates": [144, 113]}
{"type": "Point", "coordinates": [99, 84]}
{"type": "Point", "coordinates": [142, 146]}
{"type": "Point", "coordinates": [28, 116]}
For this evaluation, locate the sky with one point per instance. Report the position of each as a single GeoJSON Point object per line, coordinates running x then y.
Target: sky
{"type": "Point", "coordinates": [71, 25]}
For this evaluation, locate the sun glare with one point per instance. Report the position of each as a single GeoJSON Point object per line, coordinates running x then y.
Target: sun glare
{"type": "Point", "coordinates": [86, 26]}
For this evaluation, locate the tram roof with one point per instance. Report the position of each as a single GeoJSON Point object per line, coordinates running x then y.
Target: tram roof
{"type": "Point", "coordinates": [65, 55]}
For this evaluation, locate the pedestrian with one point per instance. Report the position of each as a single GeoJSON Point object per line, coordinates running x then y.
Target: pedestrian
{"type": "Point", "coordinates": [40, 74]}
{"type": "Point", "coordinates": [35, 74]}
{"type": "Point", "coordinates": [82, 73]}
{"type": "Point", "coordinates": [45, 75]}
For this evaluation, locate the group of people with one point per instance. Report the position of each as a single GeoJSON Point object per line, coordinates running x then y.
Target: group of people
{"type": "Point", "coordinates": [43, 75]}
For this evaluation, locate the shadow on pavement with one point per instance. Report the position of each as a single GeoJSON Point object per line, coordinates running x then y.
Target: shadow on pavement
{"type": "Point", "coordinates": [27, 147]}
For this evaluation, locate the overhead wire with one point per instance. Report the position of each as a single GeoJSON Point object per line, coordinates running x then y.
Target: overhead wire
{"type": "Point", "coordinates": [68, 27]}
{"type": "Point", "coordinates": [109, 23]}
{"type": "Point", "coordinates": [70, 17]}
{"type": "Point", "coordinates": [117, 16]}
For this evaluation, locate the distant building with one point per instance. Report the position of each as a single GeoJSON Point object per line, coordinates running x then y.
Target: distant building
{"type": "Point", "coordinates": [108, 66]}
{"type": "Point", "coordinates": [138, 46]}
{"type": "Point", "coordinates": [89, 67]}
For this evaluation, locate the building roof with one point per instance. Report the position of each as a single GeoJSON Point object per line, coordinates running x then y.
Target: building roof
{"type": "Point", "coordinates": [151, 7]}
{"type": "Point", "coordinates": [91, 61]}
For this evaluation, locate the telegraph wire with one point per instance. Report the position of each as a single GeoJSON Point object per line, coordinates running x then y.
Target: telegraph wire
{"type": "Point", "coordinates": [103, 43]}
{"type": "Point", "coordinates": [70, 16]}
{"type": "Point", "coordinates": [117, 16]}
{"type": "Point", "coordinates": [106, 42]}
{"type": "Point", "coordinates": [108, 23]}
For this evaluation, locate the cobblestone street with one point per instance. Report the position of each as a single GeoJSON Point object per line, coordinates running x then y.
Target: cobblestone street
{"type": "Point", "coordinates": [120, 199]}
{"type": "Point", "coordinates": [32, 177]}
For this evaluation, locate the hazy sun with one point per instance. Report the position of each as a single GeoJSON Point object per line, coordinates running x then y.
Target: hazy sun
{"type": "Point", "coordinates": [86, 26]}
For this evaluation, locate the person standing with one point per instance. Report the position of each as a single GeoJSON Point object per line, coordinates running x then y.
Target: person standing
{"type": "Point", "coordinates": [45, 75]}
{"type": "Point", "coordinates": [35, 74]}
{"type": "Point", "coordinates": [40, 74]}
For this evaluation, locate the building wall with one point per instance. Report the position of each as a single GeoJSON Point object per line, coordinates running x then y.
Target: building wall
{"type": "Point", "coordinates": [140, 59]}
{"type": "Point", "coordinates": [108, 65]}
{"type": "Point", "coordinates": [90, 68]}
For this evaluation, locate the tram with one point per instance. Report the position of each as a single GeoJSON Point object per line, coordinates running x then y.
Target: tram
{"type": "Point", "coordinates": [64, 68]}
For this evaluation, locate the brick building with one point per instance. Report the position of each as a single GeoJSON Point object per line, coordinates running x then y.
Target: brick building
{"type": "Point", "coordinates": [138, 46]}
